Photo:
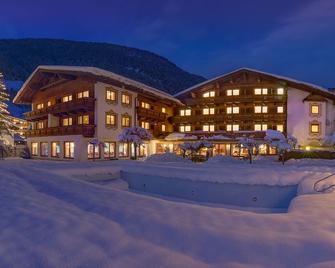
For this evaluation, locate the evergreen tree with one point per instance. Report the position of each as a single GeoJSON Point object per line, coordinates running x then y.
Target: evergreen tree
{"type": "Point", "coordinates": [6, 126]}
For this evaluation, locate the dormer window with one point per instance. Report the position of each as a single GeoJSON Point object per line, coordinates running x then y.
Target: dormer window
{"type": "Point", "coordinates": [209, 94]}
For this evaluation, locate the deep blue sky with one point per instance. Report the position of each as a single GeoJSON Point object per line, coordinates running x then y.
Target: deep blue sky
{"type": "Point", "coordinates": [294, 38]}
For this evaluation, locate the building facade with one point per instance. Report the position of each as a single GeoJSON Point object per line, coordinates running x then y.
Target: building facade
{"type": "Point", "coordinates": [71, 106]}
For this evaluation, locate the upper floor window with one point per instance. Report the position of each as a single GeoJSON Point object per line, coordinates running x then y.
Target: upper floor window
{"type": "Point", "coordinates": [233, 92]}
{"type": "Point", "coordinates": [209, 94]}
{"type": "Point", "coordinates": [83, 119]}
{"type": "Point", "coordinates": [233, 110]}
{"type": "Point", "coordinates": [280, 128]}
{"type": "Point", "coordinates": [261, 109]}
{"type": "Point", "coordinates": [261, 91]}
{"type": "Point", "coordinates": [315, 128]}
{"type": "Point", "coordinates": [145, 125]}
{"type": "Point", "coordinates": [259, 127]}
{"type": "Point", "coordinates": [280, 109]}
{"type": "Point", "coordinates": [125, 120]}
{"type": "Point", "coordinates": [207, 111]}
{"type": "Point", "coordinates": [110, 119]}
{"type": "Point", "coordinates": [49, 103]}
{"type": "Point", "coordinates": [67, 121]}
{"type": "Point", "coordinates": [125, 99]}
{"type": "Point", "coordinates": [40, 125]}
{"type": "Point", "coordinates": [315, 109]}
{"type": "Point", "coordinates": [111, 94]}
{"type": "Point", "coordinates": [67, 98]}
{"type": "Point", "coordinates": [145, 105]}
{"type": "Point", "coordinates": [208, 127]}
{"type": "Point", "coordinates": [185, 128]}
{"type": "Point", "coordinates": [185, 112]}
{"type": "Point", "coordinates": [40, 106]}
{"type": "Point", "coordinates": [83, 94]}
{"type": "Point", "coordinates": [280, 91]}
{"type": "Point", "coordinates": [163, 127]}
{"type": "Point", "coordinates": [234, 127]}
{"type": "Point", "coordinates": [163, 110]}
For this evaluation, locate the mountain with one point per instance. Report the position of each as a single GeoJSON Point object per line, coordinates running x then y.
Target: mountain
{"type": "Point", "coordinates": [19, 57]}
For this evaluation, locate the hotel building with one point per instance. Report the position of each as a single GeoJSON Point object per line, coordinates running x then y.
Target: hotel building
{"type": "Point", "coordinates": [72, 106]}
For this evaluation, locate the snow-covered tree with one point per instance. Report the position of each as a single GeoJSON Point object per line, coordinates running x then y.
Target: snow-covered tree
{"type": "Point", "coordinates": [194, 147]}
{"type": "Point", "coordinates": [277, 140]}
{"type": "Point", "coordinates": [249, 144]}
{"type": "Point", "coordinates": [135, 135]}
{"type": "Point", "coordinates": [292, 141]}
{"type": "Point", "coordinates": [6, 125]}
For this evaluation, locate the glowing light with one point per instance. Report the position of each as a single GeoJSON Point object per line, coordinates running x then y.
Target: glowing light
{"type": "Point", "coordinates": [308, 148]}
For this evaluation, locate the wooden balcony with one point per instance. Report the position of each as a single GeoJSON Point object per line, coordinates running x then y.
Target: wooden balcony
{"type": "Point", "coordinates": [143, 114]}
{"type": "Point", "coordinates": [228, 117]}
{"type": "Point", "coordinates": [71, 107]}
{"type": "Point", "coordinates": [85, 130]}
{"type": "Point", "coordinates": [235, 99]}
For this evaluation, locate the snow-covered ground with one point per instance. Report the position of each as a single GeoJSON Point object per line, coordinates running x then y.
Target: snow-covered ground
{"type": "Point", "coordinates": [52, 215]}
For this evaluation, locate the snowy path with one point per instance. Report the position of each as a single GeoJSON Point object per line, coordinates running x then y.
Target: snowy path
{"type": "Point", "coordinates": [51, 219]}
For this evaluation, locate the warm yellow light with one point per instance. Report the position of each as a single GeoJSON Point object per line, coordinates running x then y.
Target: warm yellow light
{"type": "Point", "coordinates": [308, 148]}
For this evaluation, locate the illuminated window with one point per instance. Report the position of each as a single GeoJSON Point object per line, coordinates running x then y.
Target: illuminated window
{"type": "Point", "coordinates": [185, 112]}
{"type": "Point", "coordinates": [280, 109]}
{"type": "Point", "coordinates": [260, 127]}
{"type": "Point", "coordinates": [55, 149]}
{"type": "Point", "coordinates": [207, 111]}
{"type": "Point", "coordinates": [125, 99]}
{"type": "Point", "coordinates": [261, 109]}
{"type": "Point", "coordinates": [83, 120]}
{"type": "Point", "coordinates": [209, 94]}
{"type": "Point", "coordinates": [123, 149]}
{"type": "Point", "coordinates": [145, 125]}
{"type": "Point", "coordinates": [233, 127]}
{"type": "Point", "coordinates": [67, 121]}
{"type": "Point", "coordinates": [67, 98]}
{"type": "Point", "coordinates": [234, 110]}
{"type": "Point", "coordinates": [315, 109]}
{"type": "Point", "coordinates": [110, 119]}
{"type": "Point", "coordinates": [111, 94]}
{"type": "Point", "coordinates": [83, 94]}
{"type": "Point", "coordinates": [163, 128]}
{"type": "Point", "coordinates": [34, 148]}
{"type": "Point", "coordinates": [109, 150]}
{"type": "Point", "coordinates": [186, 128]}
{"type": "Point", "coordinates": [49, 103]}
{"type": "Point", "coordinates": [68, 149]}
{"type": "Point", "coordinates": [280, 91]}
{"type": "Point", "coordinates": [40, 124]}
{"type": "Point", "coordinates": [145, 105]}
{"type": "Point", "coordinates": [315, 128]}
{"type": "Point", "coordinates": [163, 110]}
{"type": "Point", "coordinates": [93, 151]}
{"type": "Point", "coordinates": [208, 127]}
{"type": "Point", "coordinates": [280, 128]}
{"type": "Point", "coordinates": [44, 149]}
{"type": "Point", "coordinates": [261, 91]}
{"type": "Point", "coordinates": [233, 92]}
{"type": "Point", "coordinates": [40, 106]}
{"type": "Point", "coordinates": [125, 121]}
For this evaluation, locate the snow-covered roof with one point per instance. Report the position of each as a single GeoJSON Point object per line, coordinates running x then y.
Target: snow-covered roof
{"type": "Point", "coordinates": [316, 87]}
{"type": "Point", "coordinates": [98, 73]}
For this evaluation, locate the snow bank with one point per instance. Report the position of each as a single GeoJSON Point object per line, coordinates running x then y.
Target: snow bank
{"type": "Point", "coordinates": [221, 159]}
{"type": "Point", "coordinates": [166, 157]}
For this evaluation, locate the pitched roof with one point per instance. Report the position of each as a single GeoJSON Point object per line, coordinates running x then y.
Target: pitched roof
{"type": "Point", "coordinates": [96, 72]}
{"type": "Point", "coordinates": [279, 77]}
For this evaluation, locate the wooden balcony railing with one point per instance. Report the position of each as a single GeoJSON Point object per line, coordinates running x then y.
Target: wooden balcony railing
{"type": "Point", "coordinates": [143, 113]}
{"type": "Point", "coordinates": [77, 105]}
{"type": "Point", "coordinates": [85, 130]}
{"type": "Point", "coordinates": [239, 98]}
{"type": "Point", "coordinates": [228, 117]}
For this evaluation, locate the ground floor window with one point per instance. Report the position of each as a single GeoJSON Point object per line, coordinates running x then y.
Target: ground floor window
{"type": "Point", "coordinates": [123, 149]}
{"type": "Point", "coordinates": [68, 149]}
{"type": "Point", "coordinates": [109, 150]}
{"type": "Point", "coordinates": [93, 151]}
{"type": "Point", "coordinates": [34, 148]}
{"type": "Point", "coordinates": [55, 149]}
{"type": "Point", "coordinates": [44, 146]}
{"type": "Point", "coordinates": [221, 149]}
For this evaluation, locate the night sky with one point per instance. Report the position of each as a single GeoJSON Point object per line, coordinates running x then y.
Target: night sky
{"type": "Point", "coordinates": [294, 38]}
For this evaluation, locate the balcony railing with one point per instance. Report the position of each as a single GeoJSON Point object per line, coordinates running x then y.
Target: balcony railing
{"type": "Point", "coordinates": [85, 130]}
{"type": "Point", "coordinates": [228, 117]}
{"type": "Point", "coordinates": [77, 105]}
{"type": "Point", "coordinates": [239, 98]}
{"type": "Point", "coordinates": [150, 114]}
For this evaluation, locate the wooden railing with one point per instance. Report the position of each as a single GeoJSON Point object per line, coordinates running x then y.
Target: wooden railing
{"type": "Point", "coordinates": [150, 114]}
{"type": "Point", "coordinates": [239, 98]}
{"type": "Point", "coordinates": [85, 130]}
{"type": "Point", "coordinates": [83, 104]}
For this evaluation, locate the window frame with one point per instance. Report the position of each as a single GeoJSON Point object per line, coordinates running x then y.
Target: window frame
{"type": "Point", "coordinates": [111, 90]}
{"type": "Point", "coordinates": [64, 151]}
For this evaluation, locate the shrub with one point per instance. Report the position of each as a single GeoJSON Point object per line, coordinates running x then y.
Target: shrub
{"type": "Point", "coordinates": [295, 154]}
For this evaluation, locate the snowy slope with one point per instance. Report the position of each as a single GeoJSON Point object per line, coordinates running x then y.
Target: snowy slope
{"type": "Point", "coordinates": [48, 218]}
